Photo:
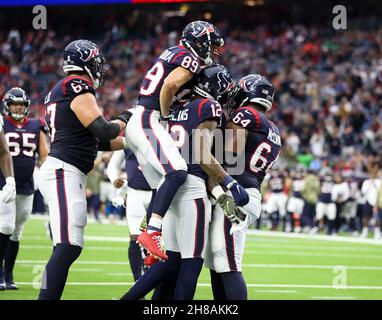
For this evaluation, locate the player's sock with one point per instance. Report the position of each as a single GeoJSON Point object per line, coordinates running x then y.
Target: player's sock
{"type": "Point", "coordinates": [166, 289]}
{"type": "Point", "coordinates": [217, 286]}
{"type": "Point", "coordinates": [154, 225]}
{"type": "Point", "coordinates": [4, 238]}
{"type": "Point", "coordinates": [10, 256]}
{"type": "Point", "coordinates": [234, 285]}
{"type": "Point", "coordinates": [188, 278]}
{"type": "Point", "coordinates": [56, 271]}
{"type": "Point", "coordinates": [135, 259]}
{"type": "Point", "coordinates": [150, 206]}
{"type": "Point", "coordinates": [275, 220]}
{"type": "Point", "coordinates": [153, 276]}
{"type": "Point", "coordinates": [167, 191]}
{"type": "Point", "coordinates": [331, 226]}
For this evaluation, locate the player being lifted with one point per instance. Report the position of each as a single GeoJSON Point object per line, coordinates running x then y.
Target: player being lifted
{"type": "Point", "coordinates": [185, 226]}
{"type": "Point", "coordinates": [25, 138]}
{"type": "Point", "coordinates": [78, 130]}
{"type": "Point", "coordinates": [252, 98]}
{"type": "Point", "coordinates": [153, 146]}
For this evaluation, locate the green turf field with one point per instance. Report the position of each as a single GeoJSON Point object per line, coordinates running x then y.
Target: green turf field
{"type": "Point", "coordinates": [275, 267]}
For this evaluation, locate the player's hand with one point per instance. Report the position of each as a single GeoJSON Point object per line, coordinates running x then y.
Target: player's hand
{"type": "Point", "coordinates": [124, 116]}
{"type": "Point", "coordinates": [118, 201]}
{"type": "Point", "coordinates": [165, 118]}
{"type": "Point", "coordinates": [238, 192]}
{"type": "Point", "coordinates": [118, 183]}
{"type": "Point", "coordinates": [9, 190]}
{"type": "Point", "coordinates": [232, 212]}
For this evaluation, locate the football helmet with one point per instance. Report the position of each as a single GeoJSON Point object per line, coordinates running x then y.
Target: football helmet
{"type": "Point", "coordinates": [214, 82]}
{"type": "Point", "coordinates": [16, 95]}
{"type": "Point", "coordinates": [203, 39]}
{"type": "Point", "coordinates": [253, 88]}
{"type": "Point", "coordinates": [84, 56]}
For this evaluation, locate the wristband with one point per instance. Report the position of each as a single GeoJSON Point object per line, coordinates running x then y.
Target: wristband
{"type": "Point", "coordinates": [125, 146]}
{"type": "Point", "coordinates": [10, 180]}
{"type": "Point", "coordinates": [217, 192]}
{"type": "Point", "coordinates": [228, 182]}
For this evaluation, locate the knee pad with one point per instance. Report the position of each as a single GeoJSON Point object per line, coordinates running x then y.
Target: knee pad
{"type": "Point", "coordinates": [178, 176]}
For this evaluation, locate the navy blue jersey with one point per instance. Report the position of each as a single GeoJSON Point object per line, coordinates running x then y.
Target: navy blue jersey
{"type": "Point", "coordinates": [70, 140]}
{"type": "Point", "coordinates": [135, 177]}
{"type": "Point", "coordinates": [262, 147]}
{"type": "Point", "coordinates": [327, 184]}
{"type": "Point", "coordinates": [169, 60]}
{"type": "Point", "coordinates": [276, 183]}
{"type": "Point", "coordinates": [297, 185]}
{"type": "Point", "coordinates": [187, 118]}
{"type": "Point", "coordinates": [23, 141]}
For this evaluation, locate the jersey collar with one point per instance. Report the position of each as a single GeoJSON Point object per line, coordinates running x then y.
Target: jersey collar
{"type": "Point", "coordinates": [16, 124]}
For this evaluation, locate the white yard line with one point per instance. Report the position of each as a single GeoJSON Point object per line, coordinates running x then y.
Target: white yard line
{"type": "Point", "coordinates": [314, 237]}
{"type": "Point", "coordinates": [247, 265]}
{"type": "Point", "coordinates": [251, 285]}
{"type": "Point", "coordinates": [334, 298]}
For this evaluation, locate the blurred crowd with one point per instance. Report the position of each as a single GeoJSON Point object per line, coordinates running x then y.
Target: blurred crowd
{"type": "Point", "coordinates": [328, 83]}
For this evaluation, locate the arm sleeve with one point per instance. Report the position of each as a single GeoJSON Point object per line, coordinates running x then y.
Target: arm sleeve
{"type": "Point", "coordinates": [104, 130]}
{"type": "Point", "coordinates": [115, 165]}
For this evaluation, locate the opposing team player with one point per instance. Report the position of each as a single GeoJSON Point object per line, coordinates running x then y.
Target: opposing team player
{"type": "Point", "coordinates": [253, 97]}
{"type": "Point", "coordinates": [7, 195]}
{"type": "Point", "coordinates": [25, 138]}
{"type": "Point", "coordinates": [77, 130]}
{"type": "Point", "coordinates": [185, 226]}
{"type": "Point", "coordinates": [153, 146]}
{"type": "Point", "coordinates": [135, 196]}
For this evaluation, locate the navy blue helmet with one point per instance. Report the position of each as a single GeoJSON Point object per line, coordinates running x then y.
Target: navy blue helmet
{"type": "Point", "coordinates": [253, 88]}
{"type": "Point", "coordinates": [203, 39]}
{"type": "Point", "coordinates": [16, 95]}
{"type": "Point", "coordinates": [84, 56]}
{"type": "Point", "coordinates": [214, 82]}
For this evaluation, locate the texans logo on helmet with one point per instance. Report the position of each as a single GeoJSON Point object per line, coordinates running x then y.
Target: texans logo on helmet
{"type": "Point", "coordinates": [199, 31]}
{"type": "Point", "coordinates": [249, 85]}
{"type": "Point", "coordinates": [224, 83]}
{"type": "Point", "coordinates": [91, 51]}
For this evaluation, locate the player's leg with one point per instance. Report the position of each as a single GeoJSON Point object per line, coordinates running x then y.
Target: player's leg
{"type": "Point", "coordinates": [191, 233]}
{"type": "Point", "coordinates": [226, 252]}
{"type": "Point", "coordinates": [64, 191]}
{"type": "Point", "coordinates": [331, 214]}
{"type": "Point", "coordinates": [24, 204]}
{"type": "Point", "coordinates": [7, 227]}
{"type": "Point", "coordinates": [136, 205]}
{"type": "Point", "coordinates": [281, 204]}
{"type": "Point", "coordinates": [154, 276]}
{"type": "Point", "coordinates": [367, 213]}
{"type": "Point", "coordinates": [155, 149]}
{"type": "Point", "coordinates": [291, 208]}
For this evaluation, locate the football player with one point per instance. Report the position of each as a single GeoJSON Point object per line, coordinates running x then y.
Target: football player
{"type": "Point", "coordinates": [252, 98]}
{"type": "Point", "coordinates": [295, 203]}
{"type": "Point", "coordinates": [185, 226]}
{"type": "Point", "coordinates": [276, 204]}
{"type": "Point", "coordinates": [325, 205]}
{"type": "Point", "coordinates": [153, 146]}
{"type": "Point", "coordinates": [25, 138]}
{"type": "Point", "coordinates": [341, 193]}
{"type": "Point", "coordinates": [135, 195]}
{"type": "Point", "coordinates": [7, 195]}
{"type": "Point", "coordinates": [77, 131]}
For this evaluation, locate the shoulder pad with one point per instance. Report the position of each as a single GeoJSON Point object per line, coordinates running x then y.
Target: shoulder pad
{"type": "Point", "coordinates": [209, 110]}
{"type": "Point", "coordinates": [76, 86]}
{"type": "Point", "coordinates": [185, 59]}
{"type": "Point", "coordinates": [247, 118]}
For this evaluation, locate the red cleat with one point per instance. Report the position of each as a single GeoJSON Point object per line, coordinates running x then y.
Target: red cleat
{"type": "Point", "coordinates": [149, 260]}
{"type": "Point", "coordinates": [153, 244]}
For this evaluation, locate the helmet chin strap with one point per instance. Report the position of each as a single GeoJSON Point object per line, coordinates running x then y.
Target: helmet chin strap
{"type": "Point", "coordinates": [95, 81]}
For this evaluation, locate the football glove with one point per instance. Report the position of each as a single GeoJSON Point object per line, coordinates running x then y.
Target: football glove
{"type": "Point", "coordinates": [231, 211]}
{"type": "Point", "coordinates": [9, 190]}
{"type": "Point", "coordinates": [125, 116]}
{"type": "Point", "coordinates": [238, 192]}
